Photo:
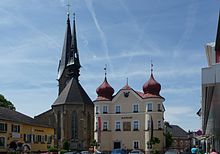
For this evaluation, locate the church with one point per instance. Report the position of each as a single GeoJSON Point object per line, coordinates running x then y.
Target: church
{"type": "Point", "coordinates": [72, 113]}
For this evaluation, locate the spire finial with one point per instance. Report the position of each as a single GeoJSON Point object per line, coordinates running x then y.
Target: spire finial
{"type": "Point", "coordinates": [151, 67]}
{"type": "Point", "coordinates": [105, 69]}
{"type": "Point", "coordinates": [127, 80]}
{"type": "Point", "coordinates": [74, 16]}
{"type": "Point", "coordinates": [68, 7]}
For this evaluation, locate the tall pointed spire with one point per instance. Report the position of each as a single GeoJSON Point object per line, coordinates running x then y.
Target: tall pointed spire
{"type": "Point", "coordinates": [66, 49]}
{"type": "Point", "coordinates": [73, 64]}
{"type": "Point", "coordinates": [217, 42]}
{"type": "Point", "coordinates": [74, 54]}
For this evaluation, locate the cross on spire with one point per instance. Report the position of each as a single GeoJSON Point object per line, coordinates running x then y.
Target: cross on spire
{"type": "Point", "coordinates": [68, 7]}
{"type": "Point", "coordinates": [74, 16]}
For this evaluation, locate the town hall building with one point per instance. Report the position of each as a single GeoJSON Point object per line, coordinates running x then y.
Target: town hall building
{"type": "Point", "coordinates": [130, 119]}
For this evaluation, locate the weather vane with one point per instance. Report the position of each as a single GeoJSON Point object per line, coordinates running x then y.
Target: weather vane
{"type": "Point", "coordinates": [105, 69]}
{"type": "Point", "coordinates": [151, 69]}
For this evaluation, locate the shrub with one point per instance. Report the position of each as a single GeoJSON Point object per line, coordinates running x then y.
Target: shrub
{"type": "Point", "coordinates": [52, 149]}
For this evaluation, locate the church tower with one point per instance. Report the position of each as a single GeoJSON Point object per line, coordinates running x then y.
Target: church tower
{"type": "Point", "coordinates": [69, 65]}
{"type": "Point", "coordinates": [73, 109]}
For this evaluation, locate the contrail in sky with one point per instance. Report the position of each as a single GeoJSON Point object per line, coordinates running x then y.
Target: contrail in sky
{"type": "Point", "coordinates": [102, 34]}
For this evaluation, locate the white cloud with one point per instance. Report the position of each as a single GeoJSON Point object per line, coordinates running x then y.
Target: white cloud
{"type": "Point", "coordinates": [184, 116]}
{"type": "Point", "coordinates": [180, 90]}
{"type": "Point", "coordinates": [179, 110]}
{"type": "Point", "coordinates": [175, 72]}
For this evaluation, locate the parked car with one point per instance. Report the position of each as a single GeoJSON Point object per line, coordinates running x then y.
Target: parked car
{"type": "Point", "coordinates": [172, 151]}
{"type": "Point", "coordinates": [119, 151]}
{"type": "Point", "coordinates": [136, 152]}
{"type": "Point", "coordinates": [98, 152]}
{"type": "Point", "coordinates": [84, 152]}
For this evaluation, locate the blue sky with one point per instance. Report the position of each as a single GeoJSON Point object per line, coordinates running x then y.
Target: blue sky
{"type": "Point", "coordinates": [124, 34]}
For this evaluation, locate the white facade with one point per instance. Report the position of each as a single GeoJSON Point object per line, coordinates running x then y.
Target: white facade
{"type": "Point", "coordinates": [127, 122]}
{"type": "Point", "coordinates": [210, 53]}
{"type": "Point", "coordinates": [211, 100]}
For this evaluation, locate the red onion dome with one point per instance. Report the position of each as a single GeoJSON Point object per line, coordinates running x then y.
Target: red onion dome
{"type": "Point", "coordinates": [105, 90]}
{"type": "Point", "coordinates": [152, 86]}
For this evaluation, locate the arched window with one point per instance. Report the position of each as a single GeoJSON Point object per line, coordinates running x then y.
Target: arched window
{"type": "Point", "coordinates": [74, 125]}
{"type": "Point", "coordinates": [58, 125]}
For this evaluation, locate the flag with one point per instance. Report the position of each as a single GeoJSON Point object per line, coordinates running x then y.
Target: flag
{"type": "Point", "coordinates": [99, 129]}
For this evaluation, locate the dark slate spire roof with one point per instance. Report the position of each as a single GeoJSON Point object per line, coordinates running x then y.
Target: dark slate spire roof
{"type": "Point", "coordinates": [217, 42]}
{"type": "Point", "coordinates": [177, 131]}
{"type": "Point", "coordinates": [73, 93]}
{"type": "Point", "coordinates": [74, 55]}
{"type": "Point", "coordinates": [66, 49]}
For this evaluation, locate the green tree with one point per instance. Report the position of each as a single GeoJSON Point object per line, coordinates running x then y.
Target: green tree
{"type": "Point", "coordinates": [169, 139]}
{"type": "Point", "coordinates": [5, 103]}
{"type": "Point", "coordinates": [154, 141]}
{"type": "Point", "coordinates": [66, 145]}
{"type": "Point", "coordinates": [168, 135]}
{"type": "Point", "coordinates": [94, 143]}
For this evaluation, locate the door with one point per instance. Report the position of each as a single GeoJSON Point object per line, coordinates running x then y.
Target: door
{"type": "Point", "coordinates": [117, 145]}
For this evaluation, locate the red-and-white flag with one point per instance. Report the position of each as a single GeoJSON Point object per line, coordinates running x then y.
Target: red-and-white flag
{"type": "Point", "coordinates": [99, 129]}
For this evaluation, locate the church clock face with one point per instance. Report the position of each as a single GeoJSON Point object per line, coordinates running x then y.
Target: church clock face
{"type": "Point", "coordinates": [126, 94]}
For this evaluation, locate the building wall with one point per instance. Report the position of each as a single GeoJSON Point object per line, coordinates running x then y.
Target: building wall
{"type": "Point", "coordinates": [127, 138]}
{"type": "Point", "coordinates": [180, 143]}
{"type": "Point", "coordinates": [21, 136]}
{"type": "Point", "coordinates": [210, 103]}
{"type": "Point", "coordinates": [85, 114]}
{"type": "Point", "coordinates": [46, 118]}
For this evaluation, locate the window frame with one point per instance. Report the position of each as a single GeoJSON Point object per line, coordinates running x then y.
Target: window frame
{"type": "Point", "coordinates": [97, 109]}
{"type": "Point", "coordinates": [136, 125]}
{"type": "Point", "coordinates": [135, 110]}
{"type": "Point", "coordinates": [15, 128]}
{"type": "Point", "coordinates": [159, 109]}
{"type": "Point", "coordinates": [159, 122]}
{"type": "Point", "coordinates": [117, 123]}
{"type": "Point", "coordinates": [136, 142]}
{"type": "Point", "coordinates": [103, 109]}
{"type": "Point", "coordinates": [116, 107]}
{"type": "Point", "coordinates": [105, 123]}
{"type": "Point", "coordinates": [3, 146]}
{"type": "Point", "coordinates": [4, 127]}
{"type": "Point", "coordinates": [149, 105]}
